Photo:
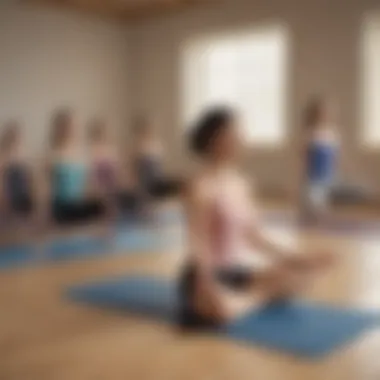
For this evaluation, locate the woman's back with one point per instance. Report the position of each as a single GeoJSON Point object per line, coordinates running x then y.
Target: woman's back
{"type": "Point", "coordinates": [69, 176]}
{"type": "Point", "coordinates": [228, 215]}
{"type": "Point", "coordinates": [105, 168]}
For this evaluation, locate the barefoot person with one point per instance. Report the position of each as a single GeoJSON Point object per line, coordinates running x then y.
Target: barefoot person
{"type": "Point", "coordinates": [224, 276]}
{"type": "Point", "coordinates": [17, 182]}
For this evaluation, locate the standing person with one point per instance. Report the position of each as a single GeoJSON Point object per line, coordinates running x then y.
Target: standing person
{"type": "Point", "coordinates": [320, 157]}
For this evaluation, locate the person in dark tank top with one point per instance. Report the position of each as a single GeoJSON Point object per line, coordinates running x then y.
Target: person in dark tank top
{"type": "Point", "coordinates": [16, 179]}
{"type": "Point", "coordinates": [147, 162]}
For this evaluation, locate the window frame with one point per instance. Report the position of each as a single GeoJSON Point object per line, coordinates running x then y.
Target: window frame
{"type": "Point", "coordinates": [366, 142]}
{"type": "Point", "coordinates": [194, 44]}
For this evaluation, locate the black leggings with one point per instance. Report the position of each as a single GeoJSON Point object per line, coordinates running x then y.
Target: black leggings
{"type": "Point", "coordinates": [22, 206]}
{"type": "Point", "coordinates": [152, 181]}
{"type": "Point", "coordinates": [236, 278]}
{"type": "Point", "coordinates": [128, 202]}
{"type": "Point", "coordinates": [161, 188]}
{"type": "Point", "coordinates": [77, 212]}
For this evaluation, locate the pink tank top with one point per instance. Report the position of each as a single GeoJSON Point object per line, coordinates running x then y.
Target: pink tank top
{"type": "Point", "coordinates": [105, 173]}
{"type": "Point", "coordinates": [229, 222]}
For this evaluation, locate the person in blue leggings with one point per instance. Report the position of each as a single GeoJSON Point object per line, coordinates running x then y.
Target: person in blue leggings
{"type": "Point", "coordinates": [321, 156]}
{"type": "Point", "coordinates": [72, 197]}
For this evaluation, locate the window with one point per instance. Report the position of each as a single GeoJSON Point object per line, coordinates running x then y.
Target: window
{"type": "Point", "coordinates": [371, 83]}
{"type": "Point", "coordinates": [245, 70]}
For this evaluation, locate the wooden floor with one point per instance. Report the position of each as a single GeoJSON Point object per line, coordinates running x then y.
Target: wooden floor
{"type": "Point", "coordinates": [44, 337]}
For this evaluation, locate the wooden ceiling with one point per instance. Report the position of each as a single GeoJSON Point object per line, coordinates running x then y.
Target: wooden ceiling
{"type": "Point", "coordinates": [121, 9]}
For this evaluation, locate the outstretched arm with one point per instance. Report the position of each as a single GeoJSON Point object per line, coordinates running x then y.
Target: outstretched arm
{"type": "Point", "coordinates": [290, 257]}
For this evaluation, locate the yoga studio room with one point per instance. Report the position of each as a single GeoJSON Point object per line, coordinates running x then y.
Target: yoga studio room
{"type": "Point", "coordinates": [189, 189]}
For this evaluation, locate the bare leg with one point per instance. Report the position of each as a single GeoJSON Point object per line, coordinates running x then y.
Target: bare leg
{"type": "Point", "coordinates": [277, 283]}
{"type": "Point", "coordinates": [282, 283]}
{"type": "Point", "coordinates": [266, 287]}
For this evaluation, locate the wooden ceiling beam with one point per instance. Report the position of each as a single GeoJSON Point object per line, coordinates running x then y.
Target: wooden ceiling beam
{"type": "Point", "coordinates": [120, 10]}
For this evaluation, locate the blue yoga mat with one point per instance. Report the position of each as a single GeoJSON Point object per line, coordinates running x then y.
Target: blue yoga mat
{"type": "Point", "coordinates": [302, 329]}
{"type": "Point", "coordinates": [132, 238]}
{"type": "Point", "coordinates": [140, 240]}
{"type": "Point", "coordinates": [162, 218]}
{"type": "Point", "coordinates": [75, 247]}
{"type": "Point", "coordinates": [18, 255]}
{"type": "Point", "coordinates": [171, 217]}
{"type": "Point", "coordinates": [124, 242]}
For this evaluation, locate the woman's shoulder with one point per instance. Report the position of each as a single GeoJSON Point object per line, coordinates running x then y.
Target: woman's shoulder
{"type": "Point", "coordinates": [106, 150]}
{"type": "Point", "coordinates": [56, 156]}
{"type": "Point", "coordinates": [67, 156]}
{"type": "Point", "coordinates": [111, 153]}
{"type": "Point", "coordinates": [19, 160]}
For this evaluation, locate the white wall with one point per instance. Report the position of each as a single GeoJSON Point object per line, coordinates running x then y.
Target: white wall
{"type": "Point", "coordinates": [325, 51]}
{"type": "Point", "coordinates": [52, 59]}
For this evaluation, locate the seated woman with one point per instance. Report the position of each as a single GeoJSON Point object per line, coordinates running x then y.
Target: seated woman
{"type": "Point", "coordinates": [227, 273]}
{"type": "Point", "coordinates": [107, 172]}
{"type": "Point", "coordinates": [147, 163]}
{"type": "Point", "coordinates": [72, 196]}
{"type": "Point", "coordinates": [16, 179]}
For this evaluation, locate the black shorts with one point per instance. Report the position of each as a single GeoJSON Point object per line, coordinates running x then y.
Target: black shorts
{"type": "Point", "coordinates": [21, 206]}
{"type": "Point", "coordinates": [164, 188]}
{"type": "Point", "coordinates": [236, 278]}
{"type": "Point", "coordinates": [77, 212]}
{"type": "Point", "coordinates": [129, 202]}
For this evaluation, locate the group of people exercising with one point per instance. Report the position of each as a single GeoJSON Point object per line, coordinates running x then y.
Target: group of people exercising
{"type": "Point", "coordinates": [231, 266]}
{"type": "Point", "coordinates": [73, 184]}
